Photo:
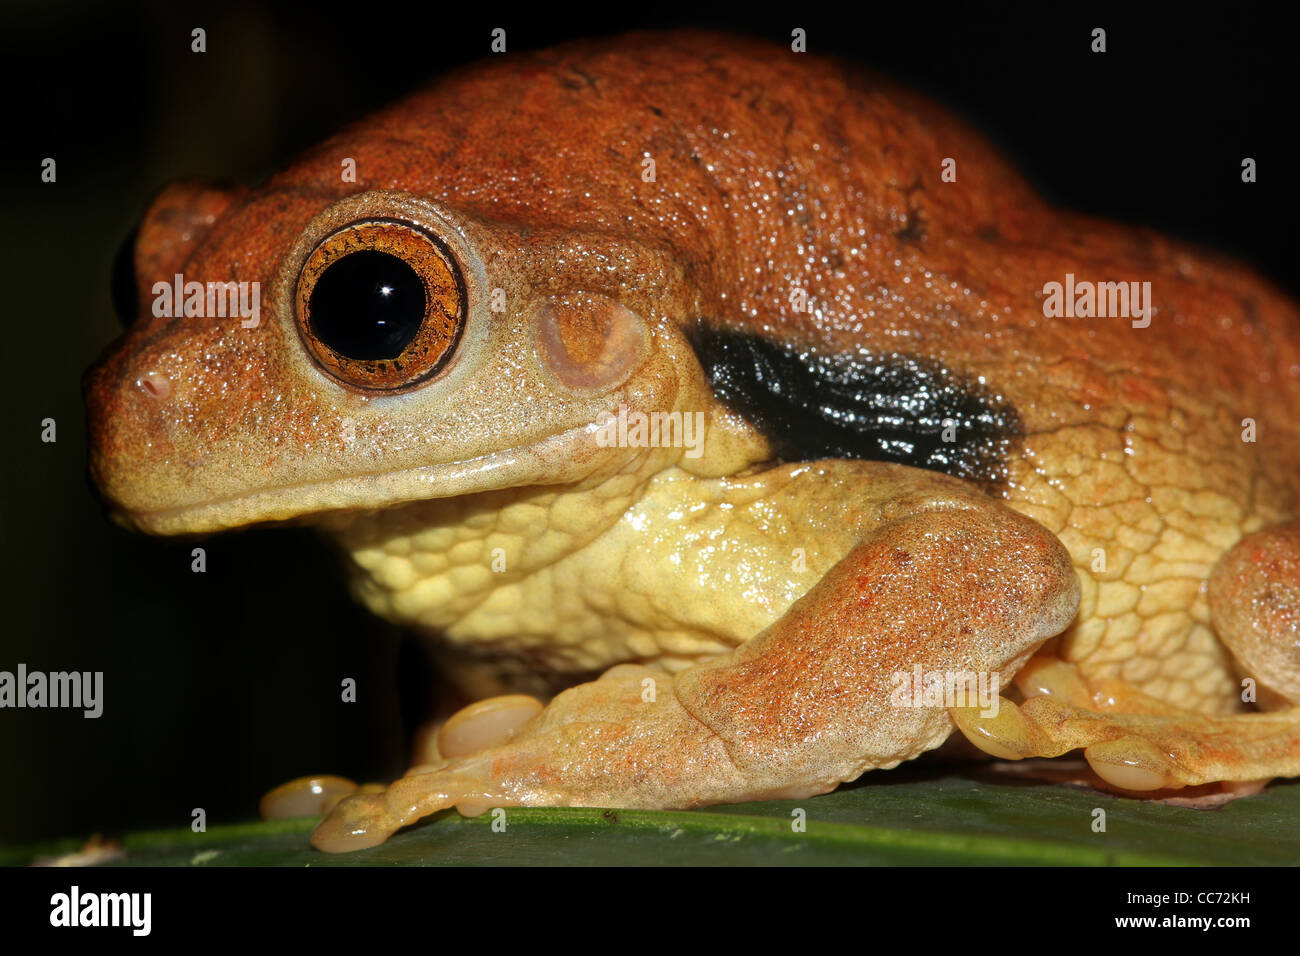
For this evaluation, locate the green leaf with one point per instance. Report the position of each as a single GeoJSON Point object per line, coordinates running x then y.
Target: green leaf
{"type": "Point", "coordinates": [899, 817]}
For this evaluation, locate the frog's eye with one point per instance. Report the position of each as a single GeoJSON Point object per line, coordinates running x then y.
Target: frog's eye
{"type": "Point", "coordinates": [380, 304]}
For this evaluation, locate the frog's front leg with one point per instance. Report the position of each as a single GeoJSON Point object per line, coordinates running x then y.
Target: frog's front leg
{"type": "Point", "coordinates": [955, 583]}
{"type": "Point", "coordinates": [1138, 744]}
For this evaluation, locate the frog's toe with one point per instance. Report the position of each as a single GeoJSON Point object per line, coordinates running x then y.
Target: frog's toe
{"type": "Point", "coordinates": [369, 817]}
{"type": "Point", "coordinates": [1131, 763]}
{"type": "Point", "coordinates": [486, 723]}
{"type": "Point", "coordinates": [1005, 732]}
{"type": "Point", "coordinates": [1135, 743]}
{"type": "Point", "coordinates": [455, 776]}
{"type": "Point", "coordinates": [310, 796]}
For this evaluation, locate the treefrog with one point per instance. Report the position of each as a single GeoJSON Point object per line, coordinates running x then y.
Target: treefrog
{"type": "Point", "coordinates": [697, 398]}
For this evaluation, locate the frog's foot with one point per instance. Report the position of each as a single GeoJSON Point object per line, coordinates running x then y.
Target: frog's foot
{"type": "Point", "coordinates": [953, 583]}
{"type": "Point", "coordinates": [484, 724]}
{"type": "Point", "coordinates": [1135, 743]}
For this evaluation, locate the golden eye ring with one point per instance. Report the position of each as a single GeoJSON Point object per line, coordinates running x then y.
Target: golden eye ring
{"type": "Point", "coordinates": [380, 305]}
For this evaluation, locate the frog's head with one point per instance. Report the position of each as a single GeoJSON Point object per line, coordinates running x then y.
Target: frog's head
{"type": "Point", "coordinates": [378, 349]}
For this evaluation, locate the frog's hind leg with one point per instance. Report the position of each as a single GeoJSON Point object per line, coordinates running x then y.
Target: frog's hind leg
{"type": "Point", "coordinates": [1255, 606]}
{"type": "Point", "coordinates": [948, 580]}
{"type": "Point", "coordinates": [1136, 743]}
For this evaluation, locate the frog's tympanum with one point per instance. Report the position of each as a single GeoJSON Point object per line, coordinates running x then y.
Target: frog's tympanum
{"type": "Point", "coordinates": [718, 411]}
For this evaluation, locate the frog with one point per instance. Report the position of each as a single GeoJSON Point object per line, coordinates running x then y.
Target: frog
{"type": "Point", "coordinates": [687, 393]}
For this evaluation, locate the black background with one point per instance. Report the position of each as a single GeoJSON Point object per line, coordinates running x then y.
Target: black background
{"type": "Point", "coordinates": [221, 685]}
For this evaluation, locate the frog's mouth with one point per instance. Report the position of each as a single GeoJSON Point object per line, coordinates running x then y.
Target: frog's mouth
{"type": "Point", "coordinates": [567, 456]}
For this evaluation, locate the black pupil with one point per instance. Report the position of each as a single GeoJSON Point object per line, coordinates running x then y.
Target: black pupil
{"type": "Point", "coordinates": [367, 305]}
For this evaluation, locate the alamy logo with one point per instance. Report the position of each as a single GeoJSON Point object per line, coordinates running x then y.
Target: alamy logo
{"type": "Point", "coordinates": [74, 689]}
{"type": "Point", "coordinates": [1102, 300]}
{"type": "Point", "coordinates": [76, 908]}
{"type": "Point", "coordinates": [922, 688]}
{"type": "Point", "coordinates": [211, 300]}
{"type": "Point", "coordinates": [651, 430]}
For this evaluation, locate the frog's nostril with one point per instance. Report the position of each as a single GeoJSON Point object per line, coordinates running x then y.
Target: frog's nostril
{"type": "Point", "coordinates": [122, 285]}
{"type": "Point", "coordinates": [155, 384]}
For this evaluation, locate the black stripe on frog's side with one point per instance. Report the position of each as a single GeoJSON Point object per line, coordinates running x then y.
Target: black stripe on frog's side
{"type": "Point", "coordinates": [874, 407]}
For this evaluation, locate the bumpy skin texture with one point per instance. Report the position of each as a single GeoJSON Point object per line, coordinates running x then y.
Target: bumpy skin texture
{"type": "Point", "coordinates": [773, 171]}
